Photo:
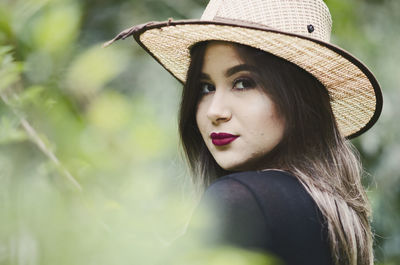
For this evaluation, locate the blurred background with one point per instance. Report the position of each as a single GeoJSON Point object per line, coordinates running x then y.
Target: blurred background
{"type": "Point", "coordinates": [90, 165]}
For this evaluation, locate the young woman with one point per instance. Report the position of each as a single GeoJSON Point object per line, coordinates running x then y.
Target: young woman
{"type": "Point", "coordinates": [268, 106]}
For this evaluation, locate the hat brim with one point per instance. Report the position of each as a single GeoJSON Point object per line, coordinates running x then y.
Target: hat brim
{"type": "Point", "coordinates": [356, 97]}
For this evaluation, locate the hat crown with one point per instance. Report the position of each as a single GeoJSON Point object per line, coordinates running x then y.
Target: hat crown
{"type": "Point", "coordinates": [309, 18]}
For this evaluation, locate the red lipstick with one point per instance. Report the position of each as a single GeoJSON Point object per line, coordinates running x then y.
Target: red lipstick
{"type": "Point", "coordinates": [220, 139]}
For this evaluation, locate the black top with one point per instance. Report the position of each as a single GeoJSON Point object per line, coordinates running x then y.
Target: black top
{"type": "Point", "coordinates": [269, 211]}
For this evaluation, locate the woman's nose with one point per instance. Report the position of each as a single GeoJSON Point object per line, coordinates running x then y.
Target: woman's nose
{"type": "Point", "coordinates": [219, 110]}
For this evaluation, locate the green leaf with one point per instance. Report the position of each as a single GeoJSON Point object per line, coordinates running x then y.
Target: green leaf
{"type": "Point", "coordinates": [10, 131]}
{"type": "Point", "coordinates": [9, 69]}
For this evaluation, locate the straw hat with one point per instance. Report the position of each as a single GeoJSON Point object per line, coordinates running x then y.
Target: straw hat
{"type": "Point", "coordinates": [295, 30]}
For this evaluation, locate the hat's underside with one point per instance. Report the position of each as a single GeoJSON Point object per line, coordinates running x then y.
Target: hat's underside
{"type": "Point", "coordinates": [355, 95]}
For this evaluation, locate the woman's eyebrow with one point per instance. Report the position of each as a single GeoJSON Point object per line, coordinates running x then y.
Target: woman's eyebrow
{"type": "Point", "coordinates": [205, 76]}
{"type": "Point", "coordinates": [239, 68]}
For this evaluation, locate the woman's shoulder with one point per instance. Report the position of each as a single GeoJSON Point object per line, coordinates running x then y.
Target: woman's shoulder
{"type": "Point", "coordinates": [272, 210]}
{"type": "Point", "coordinates": [276, 193]}
{"type": "Point", "coordinates": [266, 182]}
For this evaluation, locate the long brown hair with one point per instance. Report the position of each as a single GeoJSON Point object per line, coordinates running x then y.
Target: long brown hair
{"type": "Point", "coordinates": [312, 149]}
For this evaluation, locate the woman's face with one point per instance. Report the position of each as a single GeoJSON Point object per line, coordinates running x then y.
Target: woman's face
{"type": "Point", "coordinates": [238, 121]}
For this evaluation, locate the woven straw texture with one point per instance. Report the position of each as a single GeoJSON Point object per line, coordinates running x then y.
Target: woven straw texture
{"type": "Point", "coordinates": [353, 107]}
{"type": "Point", "coordinates": [286, 15]}
{"type": "Point", "coordinates": [353, 98]}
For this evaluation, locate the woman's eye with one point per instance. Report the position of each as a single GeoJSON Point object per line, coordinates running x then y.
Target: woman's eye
{"type": "Point", "coordinates": [206, 88]}
{"type": "Point", "coordinates": [244, 83]}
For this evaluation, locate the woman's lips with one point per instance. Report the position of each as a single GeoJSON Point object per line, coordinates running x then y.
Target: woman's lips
{"type": "Point", "coordinates": [220, 139]}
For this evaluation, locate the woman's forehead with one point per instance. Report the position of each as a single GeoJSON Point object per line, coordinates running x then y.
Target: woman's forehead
{"type": "Point", "coordinates": [219, 57]}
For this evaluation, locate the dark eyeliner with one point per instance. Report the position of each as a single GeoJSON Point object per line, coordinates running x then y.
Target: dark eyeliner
{"type": "Point", "coordinates": [252, 83]}
{"type": "Point", "coordinates": [202, 84]}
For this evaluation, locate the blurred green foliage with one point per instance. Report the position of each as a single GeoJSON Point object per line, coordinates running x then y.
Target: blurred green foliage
{"type": "Point", "coordinates": [90, 171]}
